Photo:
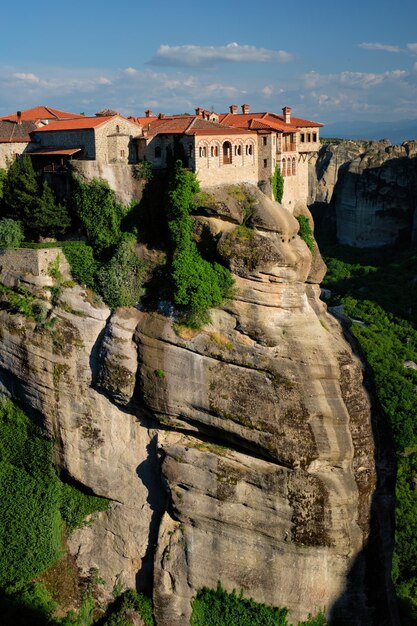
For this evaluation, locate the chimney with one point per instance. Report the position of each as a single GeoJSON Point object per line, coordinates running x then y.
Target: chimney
{"type": "Point", "coordinates": [286, 112]}
{"type": "Point", "coordinates": [233, 109]}
{"type": "Point", "coordinates": [245, 108]}
{"type": "Point", "coordinates": [199, 111]}
{"type": "Point", "coordinates": [148, 113]}
{"type": "Point", "coordinates": [161, 116]}
{"type": "Point", "coordinates": [19, 118]}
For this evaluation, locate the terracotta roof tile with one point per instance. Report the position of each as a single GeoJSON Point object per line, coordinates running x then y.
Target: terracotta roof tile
{"type": "Point", "coordinates": [42, 113]}
{"type": "Point", "coordinates": [77, 124]}
{"type": "Point", "coordinates": [56, 151]}
{"type": "Point", "coordinates": [265, 120]}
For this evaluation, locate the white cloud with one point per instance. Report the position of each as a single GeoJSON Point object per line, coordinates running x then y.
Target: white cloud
{"type": "Point", "coordinates": [32, 78]}
{"type": "Point", "coordinates": [412, 47]}
{"type": "Point", "coordinates": [194, 56]}
{"type": "Point", "coordinates": [268, 90]}
{"type": "Point", "coordinates": [130, 70]}
{"type": "Point", "coordinates": [102, 80]}
{"type": "Point", "coordinates": [362, 80]}
{"type": "Point", "coordinates": [380, 46]}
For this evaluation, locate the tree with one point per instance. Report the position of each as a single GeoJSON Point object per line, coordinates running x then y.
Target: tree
{"type": "Point", "coordinates": [20, 189]}
{"type": "Point", "coordinates": [277, 183]}
{"type": "Point", "coordinates": [46, 216]}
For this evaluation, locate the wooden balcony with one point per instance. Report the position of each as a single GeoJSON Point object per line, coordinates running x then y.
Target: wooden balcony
{"type": "Point", "coordinates": [287, 147]}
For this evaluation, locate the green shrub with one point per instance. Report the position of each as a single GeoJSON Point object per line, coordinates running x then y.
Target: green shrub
{"type": "Point", "coordinates": [131, 600]}
{"type": "Point", "coordinates": [11, 233]}
{"type": "Point", "coordinates": [120, 281]}
{"type": "Point", "coordinates": [34, 502]}
{"type": "Point", "coordinates": [217, 607]}
{"type": "Point", "coordinates": [99, 212]}
{"type": "Point", "coordinates": [3, 174]}
{"type": "Point", "coordinates": [277, 184]}
{"type": "Point", "coordinates": [81, 260]}
{"type": "Point", "coordinates": [306, 232]}
{"type": "Point", "coordinates": [144, 169]}
{"type": "Point", "coordinates": [198, 285]}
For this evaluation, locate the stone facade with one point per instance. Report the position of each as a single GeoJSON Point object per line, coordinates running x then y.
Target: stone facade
{"type": "Point", "coordinates": [110, 142]}
{"type": "Point", "coordinates": [9, 151]}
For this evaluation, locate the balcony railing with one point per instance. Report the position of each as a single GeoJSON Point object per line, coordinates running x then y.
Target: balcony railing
{"type": "Point", "coordinates": [287, 147]}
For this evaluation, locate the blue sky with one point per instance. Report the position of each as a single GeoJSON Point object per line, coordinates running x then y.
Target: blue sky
{"type": "Point", "coordinates": [330, 61]}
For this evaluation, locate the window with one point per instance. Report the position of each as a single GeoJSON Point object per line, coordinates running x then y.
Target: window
{"type": "Point", "coordinates": [265, 162]}
{"type": "Point", "coordinates": [283, 167]}
{"type": "Point", "coordinates": [238, 150]}
{"type": "Point", "coordinates": [249, 149]}
{"type": "Point", "coordinates": [314, 136]}
{"type": "Point", "coordinates": [308, 137]}
{"type": "Point", "coordinates": [227, 153]}
{"type": "Point", "coordinates": [302, 137]}
{"type": "Point", "coordinates": [158, 152]}
{"type": "Point", "coordinates": [293, 166]}
{"type": "Point", "coordinates": [264, 141]}
{"type": "Point", "coordinates": [117, 129]}
{"type": "Point", "coordinates": [122, 153]}
{"type": "Point", "coordinates": [203, 152]}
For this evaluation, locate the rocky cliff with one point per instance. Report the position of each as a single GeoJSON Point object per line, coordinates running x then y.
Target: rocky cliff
{"type": "Point", "coordinates": [371, 188]}
{"type": "Point", "coordinates": [244, 452]}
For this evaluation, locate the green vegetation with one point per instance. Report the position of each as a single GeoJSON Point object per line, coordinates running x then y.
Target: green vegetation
{"type": "Point", "coordinates": [3, 174]}
{"type": "Point", "coordinates": [96, 206]}
{"type": "Point", "coordinates": [11, 233]}
{"type": "Point", "coordinates": [198, 285]}
{"type": "Point", "coordinates": [120, 281]}
{"type": "Point", "coordinates": [217, 607]}
{"type": "Point", "coordinates": [277, 184]}
{"type": "Point", "coordinates": [377, 288]}
{"type": "Point", "coordinates": [27, 199]}
{"type": "Point", "coordinates": [306, 232]}
{"type": "Point", "coordinates": [144, 170]}
{"type": "Point", "coordinates": [35, 507]}
{"type": "Point", "coordinates": [131, 600]}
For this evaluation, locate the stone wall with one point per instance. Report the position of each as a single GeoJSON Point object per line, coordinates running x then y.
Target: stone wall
{"type": "Point", "coordinates": [210, 164]}
{"type": "Point", "coordinates": [8, 151]}
{"type": "Point", "coordinates": [108, 147]}
{"type": "Point", "coordinates": [81, 138]}
{"type": "Point", "coordinates": [30, 266]}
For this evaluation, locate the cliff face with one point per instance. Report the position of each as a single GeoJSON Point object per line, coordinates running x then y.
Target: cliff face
{"type": "Point", "coordinates": [372, 188]}
{"type": "Point", "coordinates": [242, 453]}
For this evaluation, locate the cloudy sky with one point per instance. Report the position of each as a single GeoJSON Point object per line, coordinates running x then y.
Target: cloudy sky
{"type": "Point", "coordinates": [329, 61]}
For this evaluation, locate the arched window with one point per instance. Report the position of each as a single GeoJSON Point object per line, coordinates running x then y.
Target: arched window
{"type": "Point", "coordinates": [158, 152]}
{"type": "Point", "coordinates": [117, 129]}
{"type": "Point", "coordinates": [293, 166]}
{"type": "Point", "coordinates": [227, 153]}
{"type": "Point", "coordinates": [249, 149]}
{"type": "Point", "coordinates": [238, 150]}
{"type": "Point", "coordinates": [284, 167]}
{"type": "Point", "coordinates": [202, 151]}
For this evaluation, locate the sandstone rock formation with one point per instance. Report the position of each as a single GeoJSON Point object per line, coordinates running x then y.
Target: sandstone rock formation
{"type": "Point", "coordinates": [372, 189]}
{"type": "Point", "coordinates": [243, 452]}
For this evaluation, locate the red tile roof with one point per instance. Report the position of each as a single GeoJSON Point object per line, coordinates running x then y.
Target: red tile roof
{"type": "Point", "coordinates": [77, 124]}
{"type": "Point", "coordinates": [42, 113]}
{"type": "Point", "coordinates": [188, 125]}
{"type": "Point", "coordinates": [265, 121]}
{"type": "Point", "coordinates": [57, 151]}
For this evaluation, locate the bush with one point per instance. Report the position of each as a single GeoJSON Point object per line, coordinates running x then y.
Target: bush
{"type": "Point", "coordinates": [11, 233]}
{"type": "Point", "coordinates": [120, 281]}
{"type": "Point", "coordinates": [131, 600]}
{"type": "Point", "coordinates": [100, 214]}
{"type": "Point", "coordinates": [3, 174]}
{"type": "Point", "coordinates": [197, 284]}
{"type": "Point", "coordinates": [34, 502]}
{"type": "Point", "coordinates": [81, 260]}
{"type": "Point", "coordinates": [306, 232]}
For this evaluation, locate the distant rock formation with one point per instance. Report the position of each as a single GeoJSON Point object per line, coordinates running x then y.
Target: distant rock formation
{"type": "Point", "coordinates": [371, 189]}
{"type": "Point", "coordinates": [244, 452]}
